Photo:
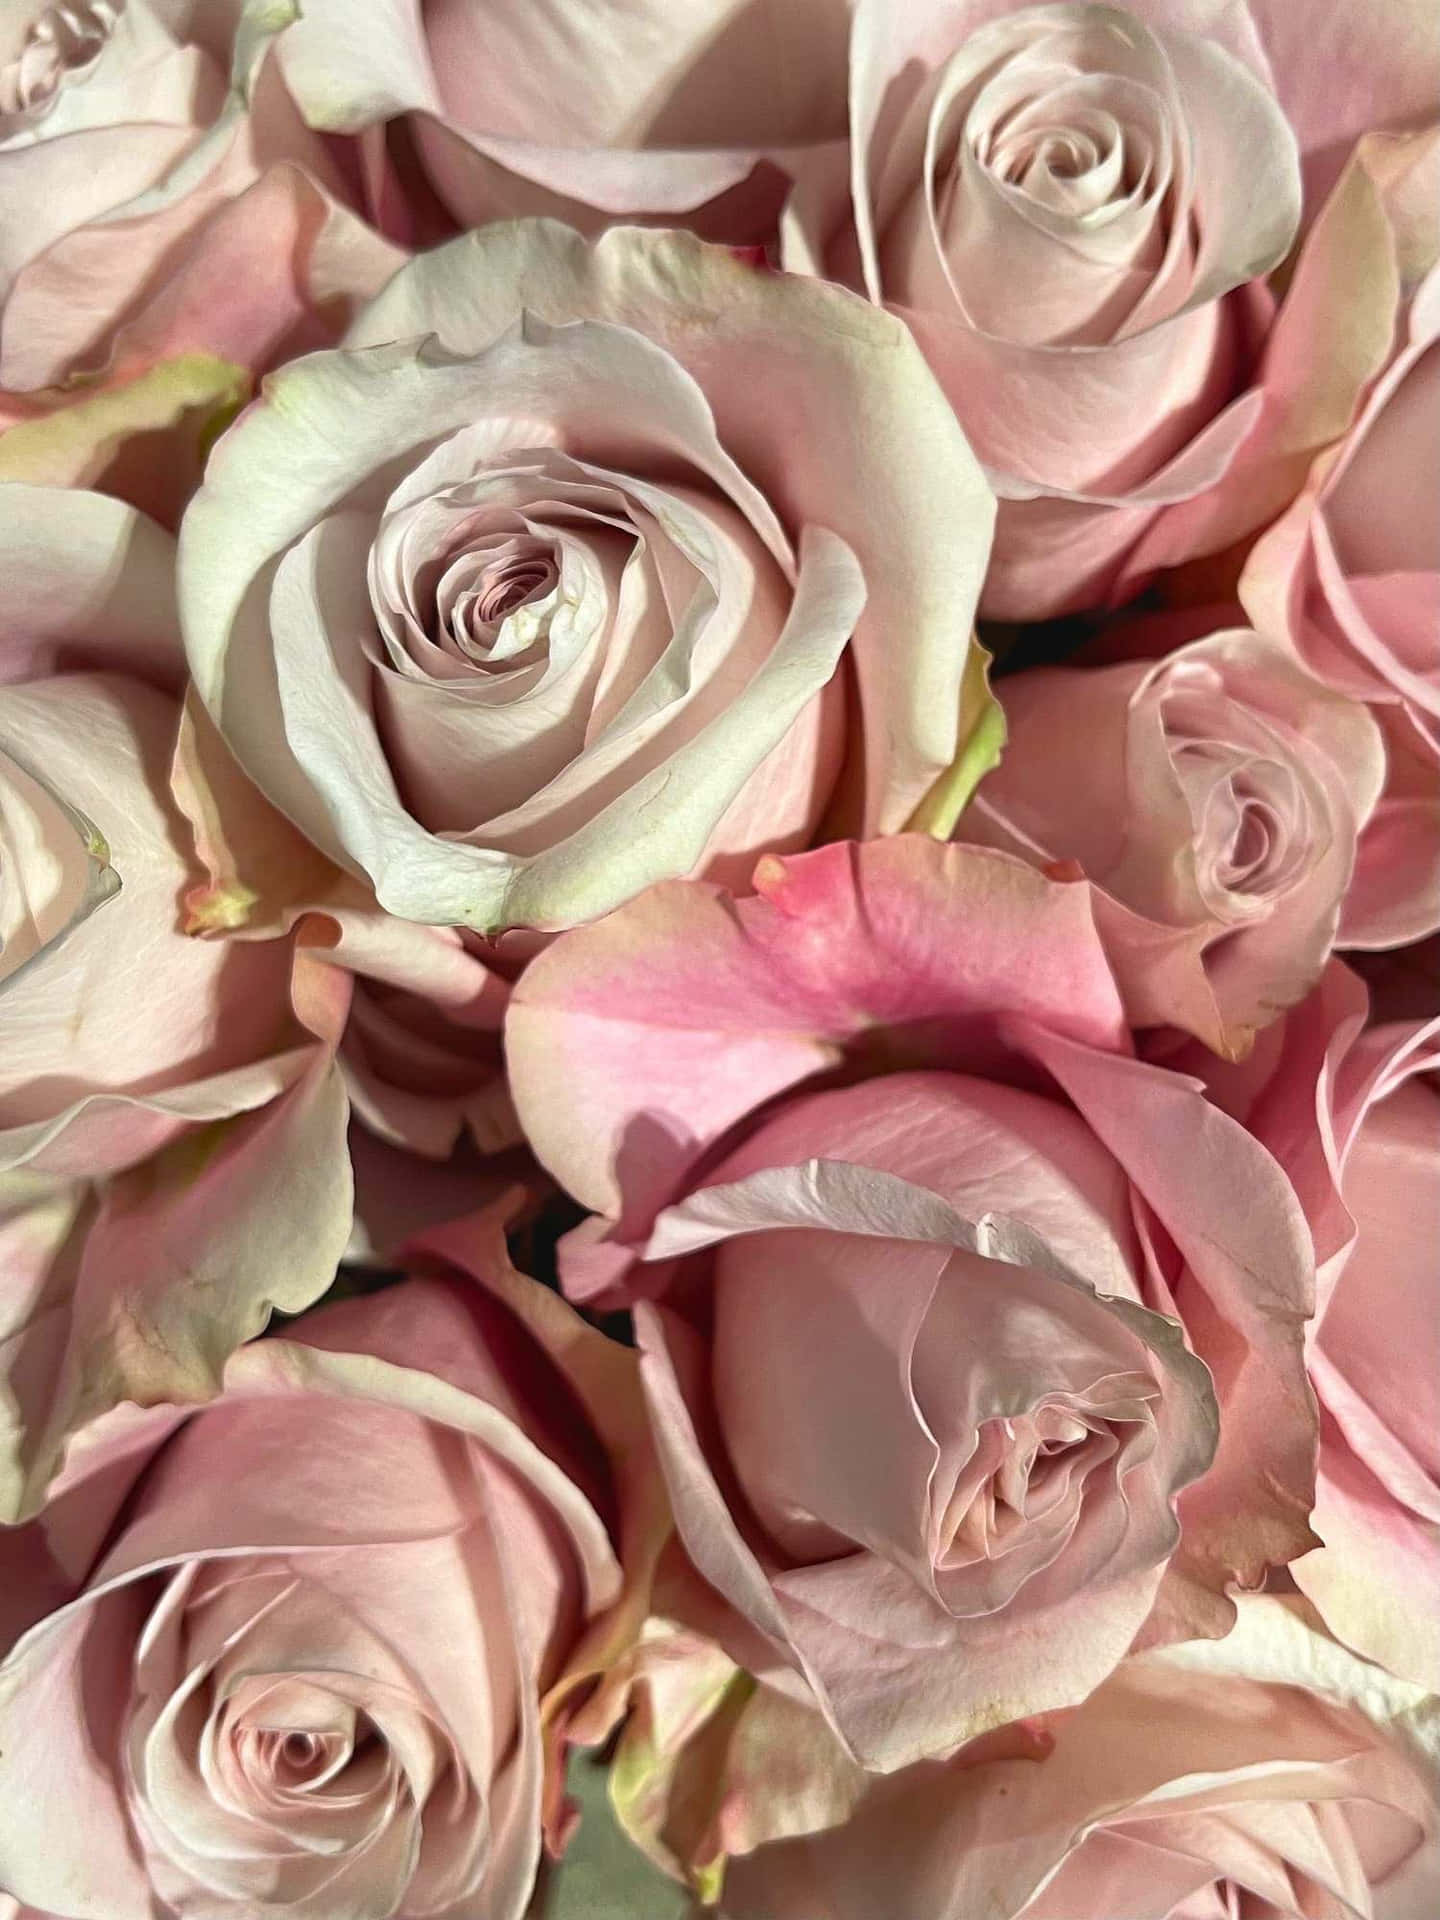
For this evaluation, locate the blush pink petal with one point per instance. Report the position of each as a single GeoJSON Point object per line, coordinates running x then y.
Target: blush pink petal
{"type": "Point", "coordinates": [88, 436]}
{"type": "Point", "coordinates": [75, 178]}
{"type": "Point", "coordinates": [712, 1005]}
{"type": "Point", "coordinates": [666, 113]}
{"type": "Point", "coordinates": [1394, 897]}
{"type": "Point", "coordinates": [90, 583]}
{"type": "Point", "coordinates": [1270, 1753]}
{"type": "Point", "coordinates": [1244, 1297]}
{"type": "Point", "coordinates": [988, 1148]}
{"type": "Point", "coordinates": [1377, 1559]}
{"type": "Point", "coordinates": [1372, 235]}
{"type": "Point", "coordinates": [49, 1738]}
{"type": "Point", "coordinates": [257, 1223]}
{"type": "Point", "coordinates": [783, 1771]}
{"type": "Point", "coordinates": [1361, 69]}
{"type": "Point", "coordinates": [293, 263]}
{"type": "Point", "coordinates": [81, 1027]}
{"type": "Point", "coordinates": [257, 865]}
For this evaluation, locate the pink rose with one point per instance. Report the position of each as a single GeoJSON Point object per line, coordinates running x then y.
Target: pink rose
{"type": "Point", "coordinates": [98, 102]}
{"type": "Point", "coordinates": [289, 1651]}
{"type": "Point", "coordinates": [697, 115]}
{"type": "Point", "coordinates": [584, 562]}
{"type": "Point", "coordinates": [1354, 1116]}
{"type": "Point", "coordinates": [1069, 204]}
{"type": "Point", "coordinates": [1351, 575]}
{"type": "Point", "coordinates": [188, 1078]}
{"type": "Point", "coordinates": [1216, 797]}
{"type": "Point", "coordinates": [1271, 1773]}
{"type": "Point", "coordinates": [1074, 207]}
{"type": "Point", "coordinates": [159, 194]}
{"type": "Point", "coordinates": [941, 1471]}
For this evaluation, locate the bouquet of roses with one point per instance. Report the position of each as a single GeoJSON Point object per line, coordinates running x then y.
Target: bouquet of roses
{"type": "Point", "coordinates": [719, 959]}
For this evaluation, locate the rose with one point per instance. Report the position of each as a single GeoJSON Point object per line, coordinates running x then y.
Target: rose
{"type": "Point", "coordinates": [1351, 575]}
{"type": "Point", "coordinates": [1271, 1771]}
{"type": "Point", "coordinates": [100, 99]}
{"type": "Point", "coordinates": [136, 179]}
{"type": "Point", "coordinates": [186, 1078]}
{"type": "Point", "coordinates": [1071, 205]}
{"type": "Point", "coordinates": [543, 610]}
{"type": "Point", "coordinates": [299, 1637]}
{"type": "Point", "coordinates": [1353, 1117]}
{"type": "Point", "coordinates": [911, 1344]}
{"type": "Point", "coordinates": [156, 242]}
{"type": "Point", "coordinates": [698, 115]}
{"type": "Point", "coordinates": [1054, 196]}
{"type": "Point", "coordinates": [947, 1447]}
{"type": "Point", "coordinates": [1217, 798]}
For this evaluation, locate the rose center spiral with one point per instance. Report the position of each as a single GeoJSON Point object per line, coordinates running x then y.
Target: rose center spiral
{"type": "Point", "coordinates": [494, 599]}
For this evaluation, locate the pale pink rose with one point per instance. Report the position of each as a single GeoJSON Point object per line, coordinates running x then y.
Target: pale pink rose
{"type": "Point", "coordinates": [584, 561]}
{"type": "Point", "coordinates": [1270, 1773]}
{"type": "Point", "coordinates": [159, 194]}
{"type": "Point", "coordinates": [1217, 799]}
{"type": "Point", "coordinates": [1353, 1115]}
{"type": "Point", "coordinates": [1351, 575]}
{"type": "Point", "coordinates": [194, 1082]}
{"type": "Point", "coordinates": [1074, 206]}
{"type": "Point", "coordinates": [291, 1651]}
{"type": "Point", "coordinates": [99, 101]}
{"type": "Point", "coordinates": [699, 115]}
{"type": "Point", "coordinates": [940, 1469]}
